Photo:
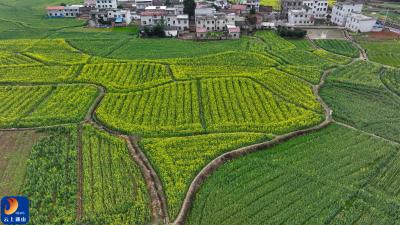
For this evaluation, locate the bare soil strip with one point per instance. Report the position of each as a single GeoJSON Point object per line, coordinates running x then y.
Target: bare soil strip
{"type": "Point", "coordinates": [153, 183]}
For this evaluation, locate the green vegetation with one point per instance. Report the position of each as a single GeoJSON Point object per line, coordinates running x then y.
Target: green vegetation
{"type": "Point", "coordinates": [334, 176]}
{"type": "Point", "coordinates": [359, 98]}
{"type": "Point", "coordinates": [385, 52]}
{"type": "Point", "coordinates": [114, 191]}
{"type": "Point", "coordinates": [14, 153]}
{"type": "Point", "coordinates": [340, 47]}
{"type": "Point", "coordinates": [51, 178]}
{"type": "Point", "coordinates": [391, 78]}
{"type": "Point", "coordinates": [28, 106]}
{"type": "Point", "coordinates": [117, 76]}
{"type": "Point", "coordinates": [178, 159]}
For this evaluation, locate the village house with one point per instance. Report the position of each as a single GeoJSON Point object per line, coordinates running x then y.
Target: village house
{"type": "Point", "coordinates": [251, 4]}
{"type": "Point", "coordinates": [287, 5]}
{"type": "Point", "coordinates": [141, 5]}
{"type": "Point", "coordinates": [301, 17]}
{"type": "Point", "coordinates": [342, 10]}
{"type": "Point", "coordinates": [64, 11]}
{"type": "Point", "coordinates": [55, 11]}
{"type": "Point", "coordinates": [106, 4]}
{"type": "Point", "coordinates": [359, 23]}
{"type": "Point", "coordinates": [318, 8]}
{"type": "Point", "coordinates": [90, 3]}
{"type": "Point", "coordinates": [171, 18]}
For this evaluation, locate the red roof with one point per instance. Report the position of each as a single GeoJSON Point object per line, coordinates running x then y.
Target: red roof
{"type": "Point", "coordinates": [238, 7]}
{"type": "Point", "coordinates": [153, 13]}
{"type": "Point", "coordinates": [55, 8]}
{"type": "Point", "coordinates": [234, 30]}
{"type": "Point", "coordinates": [201, 30]}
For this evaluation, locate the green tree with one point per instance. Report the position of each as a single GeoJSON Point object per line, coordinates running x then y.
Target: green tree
{"type": "Point", "coordinates": [188, 7]}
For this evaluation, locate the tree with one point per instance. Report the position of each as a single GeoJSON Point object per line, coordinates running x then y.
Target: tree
{"type": "Point", "coordinates": [63, 4]}
{"type": "Point", "coordinates": [188, 7]}
{"type": "Point", "coordinates": [252, 11]}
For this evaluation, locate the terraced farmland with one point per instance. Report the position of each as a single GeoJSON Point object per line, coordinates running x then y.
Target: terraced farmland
{"type": "Point", "coordinates": [385, 52]}
{"type": "Point", "coordinates": [274, 186]}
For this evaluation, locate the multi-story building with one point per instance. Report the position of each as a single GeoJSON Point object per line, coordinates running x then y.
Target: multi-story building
{"type": "Point", "coordinates": [251, 4]}
{"type": "Point", "coordinates": [143, 4]}
{"type": "Point", "coordinates": [319, 8]}
{"type": "Point", "coordinates": [64, 11]}
{"type": "Point", "coordinates": [301, 17]}
{"type": "Point", "coordinates": [170, 17]}
{"type": "Point", "coordinates": [90, 3]}
{"type": "Point", "coordinates": [342, 10]}
{"type": "Point", "coordinates": [106, 4]}
{"type": "Point", "coordinates": [72, 10]}
{"type": "Point", "coordinates": [359, 23]}
{"type": "Point", "coordinates": [215, 21]}
{"type": "Point", "coordinates": [112, 16]}
{"type": "Point", "coordinates": [287, 5]}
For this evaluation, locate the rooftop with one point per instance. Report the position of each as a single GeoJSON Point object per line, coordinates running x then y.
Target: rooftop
{"type": "Point", "coordinates": [55, 8]}
{"type": "Point", "coordinates": [361, 17]}
{"type": "Point", "coordinates": [154, 13]}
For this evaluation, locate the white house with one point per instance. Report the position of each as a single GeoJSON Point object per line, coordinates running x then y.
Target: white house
{"type": "Point", "coordinates": [251, 4]}
{"type": "Point", "coordinates": [55, 11]}
{"type": "Point", "coordinates": [120, 15]}
{"type": "Point", "coordinates": [142, 4]}
{"type": "Point", "coordinates": [204, 9]}
{"type": "Point", "coordinates": [90, 3]}
{"type": "Point", "coordinates": [319, 8]}
{"type": "Point", "coordinates": [170, 17]}
{"type": "Point", "coordinates": [106, 4]}
{"type": "Point", "coordinates": [72, 10]}
{"type": "Point", "coordinates": [342, 10]}
{"type": "Point", "coordinates": [359, 23]}
{"type": "Point", "coordinates": [301, 17]}
{"type": "Point", "coordinates": [215, 21]}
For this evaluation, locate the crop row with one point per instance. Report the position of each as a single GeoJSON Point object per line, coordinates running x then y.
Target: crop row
{"type": "Point", "coordinates": [228, 104]}
{"type": "Point", "coordinates": [125, 75]}
{"type": "Point", "coordinates": [325, 171]}
{"type": "Point", "coordinates": [28, 106]}
{"type": "Point", "coordinates": [34, 74]}
{"type": "Point", "coordinates": [114, 191]}
{"type": "Point", "coordinates": [13, 59]}
{"type": "Point", "coordinates": [340, 47]}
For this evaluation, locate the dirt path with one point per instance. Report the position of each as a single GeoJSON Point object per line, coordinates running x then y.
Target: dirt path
{"type": "Point", "coordinates": [153, 182]}
{"type": "Point", "coordinates": [219, 161]}
{"type": "Point", "coordinates": [363, 54]}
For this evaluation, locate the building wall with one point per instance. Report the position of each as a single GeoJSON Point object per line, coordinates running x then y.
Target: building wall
{"type": "Point", "coordinates": [287, 5]}
{"type": "Point", "coordinates": [106, 4]}
{"type": "Point", "coordinates": [212, 24]}
{"type": "Point", "coordinates": [303, 18]}
{"type": "Point", "coordinates": [318, 8]}
{"type": "Point", "coordinates": [356, 25]}
{"type": "Point", "coordinates": [71, 11]}
{"type": "Point", "coordinates": [340, 12]}
{"type": "Point", "coordinates": [55, 13]}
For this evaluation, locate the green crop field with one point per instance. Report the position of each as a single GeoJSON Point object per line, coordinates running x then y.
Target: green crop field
{"type": "Point", "coordinates": [335, 176]}
{"type": "Point", "coordinates": [99, 126]}
{"type": "Point", "coordinates": [340, 47]}
{"type": "Point", "coordinates": [111, 177]}
{"type": "Point", "coordinates": [385, 52]}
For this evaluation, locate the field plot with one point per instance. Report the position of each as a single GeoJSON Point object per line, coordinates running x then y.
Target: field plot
{"type": "Point", "coordinates": [357, 97]}
{"type": "Point", "coordinates": [274, 41]}
{"type": "Point", "coordinates": [237, 104]}
{"type": "Point", "coordinates": [385, 52]}
{"type": "Point", "coordinates": [358, 73]}
{"type": "Point", "coordinates": [27, 106]}
{"type": "Point", "coordinates": [55, 51]}
{"type": "Point", "coordinates": [33, 74]}
{"type": "Point", "coordinates": [293, 183]}
{"type": "Point", "coordinates": [15, 148]}
{"type": "Point", "coordinates": [391, 78]}
{"type": "Point", "coordinates": [311, 74]}
{"type": "Point", "coordinates": [168, 108]}
{"type": "Point", "coordinates": [51, 178]}
{"type": "Point", "coordinates": [117, 76]}
{"type": "Point", "coordinates": [178, 159]}
{"type": "Point", "coordinates": [340, 47]}
{"type": "Point", "coordinates": [114, 191]}
{"type": "Point", "coordinates": [14, 59]}
{"type": "Point", "coordinates": [170, 48]}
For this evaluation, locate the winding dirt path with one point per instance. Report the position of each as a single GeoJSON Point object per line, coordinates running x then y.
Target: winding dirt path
{"type": "Point", "coordinates": [219, 161]}
{"type": "Point", "coordinates": [153, 182]}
